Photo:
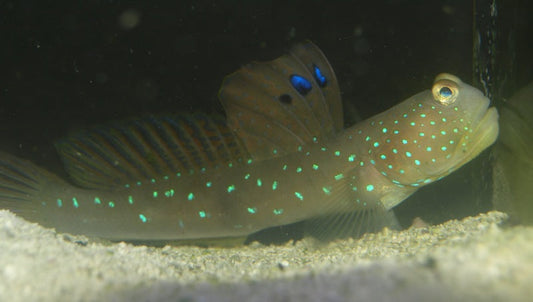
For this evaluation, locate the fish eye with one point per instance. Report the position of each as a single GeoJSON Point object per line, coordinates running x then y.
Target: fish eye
{"type": "Point", "coordinates": [445, 91]}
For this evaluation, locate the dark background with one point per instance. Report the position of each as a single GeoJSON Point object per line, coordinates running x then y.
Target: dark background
{"type": "Point", "coordinates": [66, 65]}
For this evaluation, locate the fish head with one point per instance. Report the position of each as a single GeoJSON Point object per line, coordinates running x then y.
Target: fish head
{"type": "Point", "coordinates": [433, 133]}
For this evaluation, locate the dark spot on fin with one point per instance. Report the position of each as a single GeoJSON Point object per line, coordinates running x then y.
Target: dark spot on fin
{"type": "Point", "coordinates": [285, 98]}
{"type": "Point", "coordinates": [353, 224]}
{"type": "Point", "coordinates": [319, 77]}
{"type": "Point", "coordinates": [301, 84]}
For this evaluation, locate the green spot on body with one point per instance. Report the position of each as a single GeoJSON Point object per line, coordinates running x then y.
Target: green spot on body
{"type": "Point", "coordinates": [299, 169]}
{"type": "Point", "coordinates": [249, 161]}
{"type": "Point", "coordinates": [165, 177]}
{"type": "Point", "coordinates": [367, 138]}
{"type": "Point", "coordinates": [277, 211]}
{"type": "Point", "coordinates": [252, 210]}
{"type": "Point", "coordinates": [247, 176]}
{"type": "Point", "coordinates": [337, 153]}
{"type": "Point", "coordinates": [97, 200]}
{"type": "Point", "coordinates": [142, 218]}
{"type": "Point", "coordinates": [339, 176]}
{"type": "Point", "coordinates": [370, 188]}
{"type": "Point", "coordinates": [130, 199]}
{"type": "Point", "coordinates": [395, 151]}
{"type": "Point", "coordinates": [284, 168]}
{"type": "Point", "coordinates": [169, 193]}
{"type": "Point", "coordinates": [59, 203]}
{"type": "Point", "coordinates": [75, 202]}
{"type": "Point", "coordinates": [154, 194]}
{"type": "Point", "coordinates": [126, 186]}
{"type": "Point", "coordinates": [417, 162]}
{"type": "Point", "coordinates": [326, 190]}
{"type": "Point", "coordinates": [202, 214]}
{"type": "Point", "coordinates": [111, 204]}
{"type": "Point", "coordinates": [428, 148]}
{"type": "Point", "coordinates": [190, 196]}
{"type": "Point", "coordinates": [421, 134]}
{"type": "Point", "coordinates": [274, 185]}
{"type": "Point", "coordinates": [259, 182]}
{"type": "Point", "coordinates": [408, 154]}
{"type": "Point", "coordinates": [412, 124]}
{"type": "Point", "coordinates": [152, 180]}
{"type": "Point", "coordinates": [315, 167]}
{"type": "Point", "coordinates": [299, 195]}
{"type": "Point", "coordinates": [443, 132]}
{"type": "Point", "coordinates": [404, 141]}
{"type": "Point", "coordinates": [208, 184]}
{"type": "Point", "coordinates": [443, 148]}
{"type": "Point", "coordinates": [384, 130]}
{"type": "Point", "coordinates": [351, 158]}
{"type": "Point", "coordinates": [231, 188]}
{"type": "Point", "coordinates": [422, 115]}
{"type": "Point", "coordinates": [138, 183]}
{"type": "Point", "coordinates": [376, 144]}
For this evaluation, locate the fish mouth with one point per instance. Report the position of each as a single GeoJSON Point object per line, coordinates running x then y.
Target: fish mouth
{"type": "Point", "coordinates": [484, 135]}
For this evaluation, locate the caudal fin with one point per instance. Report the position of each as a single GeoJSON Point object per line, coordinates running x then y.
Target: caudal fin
{"type": "Point", "coordinates": [20, 185]}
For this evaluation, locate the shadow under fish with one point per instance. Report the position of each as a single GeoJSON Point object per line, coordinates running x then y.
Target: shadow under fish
{"type": "Point", "coordinates": [280, 156]}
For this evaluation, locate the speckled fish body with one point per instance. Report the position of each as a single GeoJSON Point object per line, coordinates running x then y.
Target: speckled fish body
{"type": "Point", "coordinates": [282, 156]}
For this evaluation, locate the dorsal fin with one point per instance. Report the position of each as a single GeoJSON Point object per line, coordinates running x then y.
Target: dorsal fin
{"type": "Point", "coordinates": [276, 106]}
{"type": "Point", "coordinates": [105, 157]}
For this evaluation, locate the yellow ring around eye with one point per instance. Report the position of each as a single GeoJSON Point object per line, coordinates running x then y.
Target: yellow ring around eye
{"type": "Point", "coordinates": [445, 91]}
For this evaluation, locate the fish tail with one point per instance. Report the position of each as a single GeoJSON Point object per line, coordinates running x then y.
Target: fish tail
{"type": "Point", "coordinates": [22, 185]}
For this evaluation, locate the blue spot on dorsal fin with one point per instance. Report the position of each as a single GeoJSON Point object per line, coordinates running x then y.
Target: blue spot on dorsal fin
{"type": "Point", "coordinates": [319, 77]}
{"type": "Point", "coordinates": [301, 84]}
